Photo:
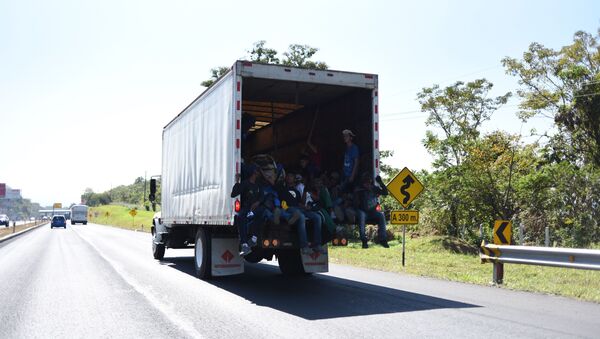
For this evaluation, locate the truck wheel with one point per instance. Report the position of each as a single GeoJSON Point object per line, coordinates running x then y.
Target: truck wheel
{"type": "Point", "coordinates": [202, 254]}
{"type": "Point", "coordinates": [158, 250]}
{"type": "Point", "coordinates": [290, 262]}
{"type": "Point", "coordinates": [85, 222]}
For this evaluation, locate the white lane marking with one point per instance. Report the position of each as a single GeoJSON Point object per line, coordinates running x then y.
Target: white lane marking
{"type": "Point", "coordinates": [166, 310]}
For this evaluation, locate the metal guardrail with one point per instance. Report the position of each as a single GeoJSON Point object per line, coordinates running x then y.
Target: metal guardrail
{"type": "Point", "coordinates": [542, 256]}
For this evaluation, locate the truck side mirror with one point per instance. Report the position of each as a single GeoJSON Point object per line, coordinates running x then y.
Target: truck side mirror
{"type": "Point", "coordinates": [152, 196]}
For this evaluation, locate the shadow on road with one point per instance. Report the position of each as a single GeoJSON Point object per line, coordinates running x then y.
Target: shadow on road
{"type": "Point", "coordinates": [318, 296]}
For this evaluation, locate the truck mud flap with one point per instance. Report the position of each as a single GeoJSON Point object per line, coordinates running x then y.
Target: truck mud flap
{"type": "Point", "coordinates": [226, 258]}
{"type": "Point", "coordinates": [316, 262]}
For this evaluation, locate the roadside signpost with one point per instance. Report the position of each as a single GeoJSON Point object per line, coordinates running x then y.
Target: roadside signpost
{"type": "Point", "coordinates": [133, 213]}
{"type": "Point", "coordinates": [405, 187]}
{"type": "Point", "coordinates": [501, 235]}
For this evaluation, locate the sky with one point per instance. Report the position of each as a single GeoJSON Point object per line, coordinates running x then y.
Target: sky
{"type": "Point", "coordinates": [87, 86]}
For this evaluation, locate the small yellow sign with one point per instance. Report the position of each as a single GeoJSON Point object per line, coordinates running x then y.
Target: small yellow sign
{"type": "Point", "coordinates": [57, 205]}
{"type": "Point", "coordinates": [404, 217]}
{"type": "Point", "coordinates": [502, 232]}
{"type": "Point", "coordinates": [405, 187]}
{"type": "Point", "coordinates": [133, 212]}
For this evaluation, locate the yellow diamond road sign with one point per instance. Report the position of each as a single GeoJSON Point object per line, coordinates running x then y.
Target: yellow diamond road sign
{"type": "Point", "coordinates": [57, 205]}
{"type": "Point", "coordinates": [404, 217]}
{"type": "Point", "coordinates": [502, 232]}
{"type": "Point", "coordinates": [133, 213]}
{"type": "Point", "coordinates": [405, 187]}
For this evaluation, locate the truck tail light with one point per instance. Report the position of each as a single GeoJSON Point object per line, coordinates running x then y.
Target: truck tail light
{"type": "Point", "coordinates": [238, 206]}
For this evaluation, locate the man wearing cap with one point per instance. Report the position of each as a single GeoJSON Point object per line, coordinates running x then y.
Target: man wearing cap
{"type": "Point", "coordinates": [351, 155]}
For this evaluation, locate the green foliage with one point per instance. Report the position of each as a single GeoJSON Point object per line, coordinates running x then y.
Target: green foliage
{"type": "Point", "coordinates": [297, 55]}
{"type": "Point", "coordinates": [465, 185]}
{"type": "Point", "coordinates": [564, 85]}
{"type": "Point", "coordinates": [131, 195]}
{"type": "Point", "coordinates": [260, 53]}
{"type": "Point", "coordinates": [216, 73]}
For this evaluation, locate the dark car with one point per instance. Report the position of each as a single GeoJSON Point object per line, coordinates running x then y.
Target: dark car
{"type": "Point", "coordinates": [4, 220]}
{"type": "Point", "coordinates": [58, 221]}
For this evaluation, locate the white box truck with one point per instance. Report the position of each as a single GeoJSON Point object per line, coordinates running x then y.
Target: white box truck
{"type": "Point", "coordinates": [206, 144]}
{"type": "Point", "coordinates": [79, 214]}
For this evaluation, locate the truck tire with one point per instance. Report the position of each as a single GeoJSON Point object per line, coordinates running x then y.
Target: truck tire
{"type": "Point", "coordinates": [158, 250]}
{"type": "Point", "coordinates": [202, 252]}
{"type": "Point", "coordinates": [290, 262]}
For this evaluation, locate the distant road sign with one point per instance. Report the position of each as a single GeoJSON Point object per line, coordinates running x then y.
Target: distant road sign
{"type": "Point", "coordinates": [57, 205]}
{"type": "Point", "coordinates": [502, 232]}
{"type": "Point", "coordinates": [133, 212]}
{"type": "Point", "coordinates": [405, 187]}
{"type": "Point", "coordinates": [404, 217]}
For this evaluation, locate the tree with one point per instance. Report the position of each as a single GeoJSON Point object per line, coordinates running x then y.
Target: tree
{"type": "Point", "coordinates": [299, 56]}
{"type": "Point", "coordinates": [216, 73]}
{"type": "Point", "coordinates": [458, 111]}
{"type": "Point", "coordinates": [564, 85]}
{"type": "Point", "coordinates": [260, 53]}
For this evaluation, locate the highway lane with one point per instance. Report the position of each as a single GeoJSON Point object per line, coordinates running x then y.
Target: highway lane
{"type": "Point", "coordinates": [101, 281]}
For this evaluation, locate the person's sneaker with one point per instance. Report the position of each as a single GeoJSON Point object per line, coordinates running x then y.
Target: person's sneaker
{"type": "Point", "coordinates": [365, 244]}
{"type": "Point", "coordinates": [306, 251]}
{"type": "Point", "coordinates": [252, 241]}
{"type": "Point", "coordinates": [384, 244]}
{"type": "Point", "coordinates": [245, 250]}
{"type": "Point", "coordinates": [276, 216]}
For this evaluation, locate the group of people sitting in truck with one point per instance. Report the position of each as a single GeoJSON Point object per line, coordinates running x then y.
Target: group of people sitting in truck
{"type": "Point", "coordinates": [326, 200]}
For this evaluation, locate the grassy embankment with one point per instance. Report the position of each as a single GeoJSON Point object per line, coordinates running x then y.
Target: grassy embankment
{"type": "Point", "coordinates": [450, 259]}
{"type": "Point", "coordinates": [119, 216]}
{"type": "Point", "coordinates": [430, 256]}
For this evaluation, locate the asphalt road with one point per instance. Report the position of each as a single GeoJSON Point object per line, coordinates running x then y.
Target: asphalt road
{"type": "Point", "coordinates": [96, 281]}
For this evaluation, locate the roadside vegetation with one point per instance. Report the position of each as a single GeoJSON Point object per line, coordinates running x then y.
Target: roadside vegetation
{"type": "Point", "coordinates": [118, 215]}
{"type": "Point", "coordinates": [452, 259]}
{"type": "Point", "coordinates": [537, 178]}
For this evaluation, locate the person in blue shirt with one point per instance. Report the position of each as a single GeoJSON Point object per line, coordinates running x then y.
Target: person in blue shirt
{"type": "Point", "coordinates": [350, 168]}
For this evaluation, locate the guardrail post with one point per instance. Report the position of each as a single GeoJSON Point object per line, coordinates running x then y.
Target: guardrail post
{"type": "Point", "coordinates": [547, 237]}
{"type": "Point", "coordinates": [498, 273]}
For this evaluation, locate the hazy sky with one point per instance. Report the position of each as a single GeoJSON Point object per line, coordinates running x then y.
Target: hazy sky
{"type": "Point", "coordinates": [86, 86]}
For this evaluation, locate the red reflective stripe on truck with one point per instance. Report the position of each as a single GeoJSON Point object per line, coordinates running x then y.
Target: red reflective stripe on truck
{"type": "Point", "coordinates": [237, 168]}
{"type": "Point", "coordinates": [237, 124]}
{"type": "Point", "coordinates": [237, 143]}
{"type": "Point", "coordinates": [237, 105]}
{"type": "Point", "coordinates": [376, 163]}
{"type": "Point", "coordinates": [238, 86]}
{"type": "Point", "coordinates": [376, 109]}
{"type": "Point", "coordinates": [376, 126]}
{"type": "Point", "coordinates": [376, 144]}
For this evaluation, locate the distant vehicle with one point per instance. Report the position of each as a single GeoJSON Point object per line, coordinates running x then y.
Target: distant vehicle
{"type": "Point", "coordinates": [45, 218]}
{"type": "Point", "coordinates": [58, 221]}
{"type": "Point", "coordinates": [32, 219]}
{"type": "Point", "coordinates": [4, 220]}
{"type": "Point", "coordinates": [79, 214]}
